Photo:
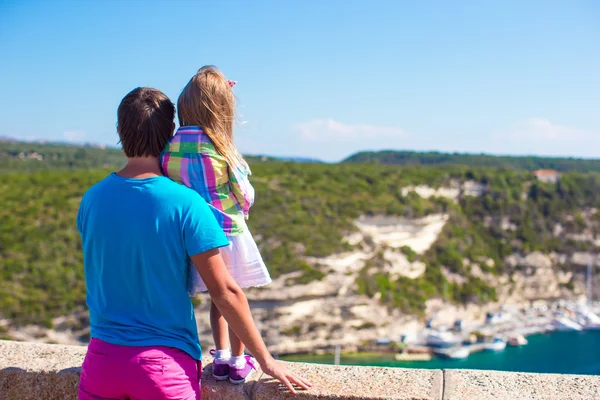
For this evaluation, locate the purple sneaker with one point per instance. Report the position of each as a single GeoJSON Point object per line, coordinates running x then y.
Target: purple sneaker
{"type": "Point", "coordinates": [238, 375]}
{"type": "Point", "coordinates": [220, 370]}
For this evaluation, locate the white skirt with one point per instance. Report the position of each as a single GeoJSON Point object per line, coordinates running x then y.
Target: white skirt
{"type": "Point", "coordinates": [243, 261]}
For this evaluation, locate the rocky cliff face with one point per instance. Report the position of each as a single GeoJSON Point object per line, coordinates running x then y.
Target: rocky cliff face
{"type": "Point", "coordinates": [322, 314]}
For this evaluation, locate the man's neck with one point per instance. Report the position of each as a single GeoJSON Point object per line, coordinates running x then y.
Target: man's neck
{"type": "Point", "coordinates": [141, 167]}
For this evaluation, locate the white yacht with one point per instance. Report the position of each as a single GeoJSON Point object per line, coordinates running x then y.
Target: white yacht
{"type": "Point", "coordinates": [459, 353]}
{"type": "Point", "coordinates": [592, 327]}
{"type": "Point", "coordinates": [497, 344]}
{"type": "Point", "coordinates": [564, 324]}
{"type": "Point", "coordinates": [441, 339]}
{"type": "Point", "coordinates": [456, 352]}
{"type": "Point", "coordinates": [587, 319]}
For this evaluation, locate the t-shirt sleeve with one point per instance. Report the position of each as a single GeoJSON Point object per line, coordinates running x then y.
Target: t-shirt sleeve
{"type": "Point", "coordinates": [201, 231]}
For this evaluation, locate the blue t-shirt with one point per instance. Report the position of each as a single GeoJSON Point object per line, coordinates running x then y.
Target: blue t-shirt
{"type": "Point", "coordinates": [137, 237]}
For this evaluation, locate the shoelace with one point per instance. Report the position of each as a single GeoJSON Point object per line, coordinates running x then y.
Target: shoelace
{"type": "Point", "coordinates": [250, 362]}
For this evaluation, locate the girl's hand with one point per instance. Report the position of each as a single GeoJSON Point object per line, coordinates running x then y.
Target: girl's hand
{"type": "Point", "coordinates": [288, 378]}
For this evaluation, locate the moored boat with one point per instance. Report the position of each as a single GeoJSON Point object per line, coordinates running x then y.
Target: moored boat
{"type": "Point", "coordinates": [441, 339]}
{"type": "Point", "coordinates": [459, 353]}
{"type": "Point", "coordinates": [564, 324]}
{"type": "Point", "coordinates": [591, 326]}
{"type": "Point", "coordinates": [455, 353]}
{"type": "Point", "coordinates": [587, 319]}
{"type": "Point", "coordinates": [497, 344]}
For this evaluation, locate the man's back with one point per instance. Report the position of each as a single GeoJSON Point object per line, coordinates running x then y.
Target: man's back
{"type": "Point", "coordinates": [137, 234]}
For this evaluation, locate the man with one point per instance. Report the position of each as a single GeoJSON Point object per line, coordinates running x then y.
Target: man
{"type": "Point", "coordinates": [139, 229]}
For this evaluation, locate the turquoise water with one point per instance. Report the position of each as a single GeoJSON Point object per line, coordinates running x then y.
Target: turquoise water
{"type": "Point", "coordinates": [564, 353]}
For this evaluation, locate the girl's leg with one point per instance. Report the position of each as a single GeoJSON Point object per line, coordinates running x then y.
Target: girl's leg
{"type": "Point", "coordinates": [222, 355]}
{"type": "Point", "coordinates": [237, 354]}
{"type": "Point", "coordinates": [241, 367]}
{"type": "Point", "coordinates": [219, 328]}
{"type": "Point", "coordinates": [237, 347]}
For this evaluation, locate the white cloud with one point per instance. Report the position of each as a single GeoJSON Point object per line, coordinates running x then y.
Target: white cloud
{"type": "Point", "coordinates": [330, 129]}
{"type": "Point", "coordinates": [543, 130]}
{"type": "Point", "coordinates": [540, 136]}
{"type": "Point", "coordinates": [74, 136]}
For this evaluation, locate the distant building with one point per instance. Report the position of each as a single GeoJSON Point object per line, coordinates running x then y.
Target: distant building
{"type": "Point", "coordinates": [547, 175]}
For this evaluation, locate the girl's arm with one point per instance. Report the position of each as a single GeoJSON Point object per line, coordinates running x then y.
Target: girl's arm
{"type": "Point", "coordinates": [241, 188]}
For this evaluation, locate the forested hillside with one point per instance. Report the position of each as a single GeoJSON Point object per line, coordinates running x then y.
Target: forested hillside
{"type": "Point", "coordinates": [31, 156]}
{"type": "Point", "coordinates": [306, 210]}
{"type": "Point", "coordinates": [474, 160]}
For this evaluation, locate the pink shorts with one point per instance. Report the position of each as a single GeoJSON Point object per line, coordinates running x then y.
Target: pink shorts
{"type": "Point", "coordinates": [110, 371]}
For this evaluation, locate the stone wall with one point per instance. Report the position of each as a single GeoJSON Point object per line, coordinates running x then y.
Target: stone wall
{"type": "Point", "coordinates": [51, 372]}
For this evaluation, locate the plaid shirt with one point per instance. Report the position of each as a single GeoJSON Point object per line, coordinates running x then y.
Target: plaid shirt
{"type": "Point", "coordinates": [191, 159]}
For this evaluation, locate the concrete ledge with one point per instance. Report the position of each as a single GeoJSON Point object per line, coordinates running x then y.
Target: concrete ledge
{"type": "Point", "coordinates": [42, 371]}
{"type": "Point", "coordinates": [488, 385]}
{"type": "Point", "coordinates": [39, 371]}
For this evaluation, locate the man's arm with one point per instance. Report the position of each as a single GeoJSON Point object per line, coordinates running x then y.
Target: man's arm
{"type": "Point", "coordinates": [233, 305]}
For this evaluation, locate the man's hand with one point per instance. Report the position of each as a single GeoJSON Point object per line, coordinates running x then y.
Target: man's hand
{"type": "Point", "coordinates": [281, 373]}
{"type": "Point", "coordinates": [233, 305]}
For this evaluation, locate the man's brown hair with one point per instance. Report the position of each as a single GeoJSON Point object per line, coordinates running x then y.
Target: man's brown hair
{"type": "Point", "coordinates": [145, 122]}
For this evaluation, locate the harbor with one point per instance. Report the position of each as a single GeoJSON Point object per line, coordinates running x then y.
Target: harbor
{"type": "Point", "coordinates": [508, 327]}
{"type": "Point", "coordinates": [554, 353]}
{"type": "Point", "coordinates": [559, 337]}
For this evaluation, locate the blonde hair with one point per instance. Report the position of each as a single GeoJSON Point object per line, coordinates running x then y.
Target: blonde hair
{"type": "Point", "coordinates": [207, 101]}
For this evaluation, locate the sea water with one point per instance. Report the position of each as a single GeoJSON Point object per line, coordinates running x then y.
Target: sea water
{"type": "Point", "coordinates": [562, 353]}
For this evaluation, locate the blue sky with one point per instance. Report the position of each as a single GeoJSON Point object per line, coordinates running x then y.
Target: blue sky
{"type": "Point", "coordinates": [317, 78]}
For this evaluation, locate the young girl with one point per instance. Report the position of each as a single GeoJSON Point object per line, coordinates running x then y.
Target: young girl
{"type": "Point", "coordinates": [203, 157]}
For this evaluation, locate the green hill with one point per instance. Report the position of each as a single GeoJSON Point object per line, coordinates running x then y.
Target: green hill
{"type": "Point", "coordinates": [306, 210]}
{"type": "Point", "coordinates": [35, 156]}
{"type": "Point", "coordinates": [529, 163]}
{"type": "Point", "coordinates": [32, 156]}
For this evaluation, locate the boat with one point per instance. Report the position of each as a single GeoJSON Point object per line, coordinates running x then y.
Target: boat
{"type": "Point", "coordinates": [564, 324]}
{"type": "Point", "coordinates": [590, 326]}
{"type": "Point", "coordinates": [497, 344]}
{"type": "Point", "coordinates": [591, 321]}
{"type": "Point", "coordinates": [517, 340]}
{"type": "Point", "coordinates": [441, 339]}
{"type": "Point", "coordinates": [587, 319]}
{"type": "Point", "coordinates": [459, 353]}
{"type": "Point", "coordinates": [454, 353]}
